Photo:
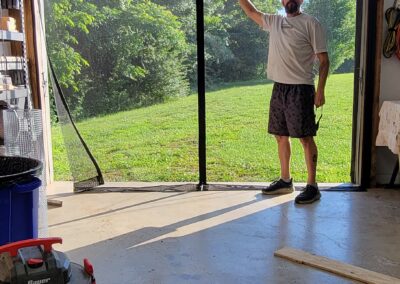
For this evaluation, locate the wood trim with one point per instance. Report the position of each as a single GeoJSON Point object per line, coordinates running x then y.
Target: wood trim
{"type": "Point", "coordinates": [336, 267]}
{"type": "Point", "coordinates": [38, 76]}
{"type": "Point", "coordinates": [30, 50]}
{"type": "Point", "coordinates": [358, 82]}
{"type": "Point", "coordinates": [368, 92]}
{"type": "Point", "coordinates": [16, 47]}
{"type": "Point", "coordinates": [377, 87]}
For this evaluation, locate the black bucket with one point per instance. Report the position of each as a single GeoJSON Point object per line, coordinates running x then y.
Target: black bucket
{"type": "Point", "coordinates": [17, 168]}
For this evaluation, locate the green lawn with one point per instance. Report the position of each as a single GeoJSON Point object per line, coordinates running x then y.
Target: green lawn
{"type": "Point", "coordinates": [159, 143]}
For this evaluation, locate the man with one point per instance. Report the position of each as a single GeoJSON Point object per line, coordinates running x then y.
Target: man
{"type": "Point", "coordinates": [295, 41]}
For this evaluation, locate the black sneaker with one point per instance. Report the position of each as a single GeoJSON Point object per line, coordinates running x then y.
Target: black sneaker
{"type": "Point", "coordinates": [279, 187]}
{"type": "Point", "coordinates": [309, 195]}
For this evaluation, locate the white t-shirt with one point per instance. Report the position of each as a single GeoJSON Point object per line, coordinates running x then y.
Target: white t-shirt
{"type": "Point", "coordinates": [293, 45]}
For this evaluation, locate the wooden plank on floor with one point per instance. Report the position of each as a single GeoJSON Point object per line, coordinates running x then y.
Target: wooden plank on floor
{"type": "Point", "coordinates": [336, 267]}
{"type": "Point", "coordinates": [54, 203]}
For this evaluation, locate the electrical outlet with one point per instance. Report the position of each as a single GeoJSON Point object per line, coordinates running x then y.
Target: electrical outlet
{"type": "Point", "coordinates": [397, 4]}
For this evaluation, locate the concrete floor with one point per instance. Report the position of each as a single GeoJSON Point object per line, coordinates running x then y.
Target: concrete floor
{"type": "Point", "coordinates": [225, 236]}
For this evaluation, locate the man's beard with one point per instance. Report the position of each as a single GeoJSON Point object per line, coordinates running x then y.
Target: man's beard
{"type": "Point", "coordinates": [291, 7]}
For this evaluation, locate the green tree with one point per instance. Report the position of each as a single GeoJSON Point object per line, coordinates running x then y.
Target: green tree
{"type": "Point", "coordinates": [63, 19]}
{"type": "Point", "coordinates": [185, 11]}
{"type": "Point", "coordinates": [136, 56]}
{"type": "Point", "coordinates": [247, 41]}
{"type": "Point", "coordinates": [115, 55]}
{"type": "Point", "coordinates": [338, 18]}
{"type": "Point", "coordinates": [235, 47]}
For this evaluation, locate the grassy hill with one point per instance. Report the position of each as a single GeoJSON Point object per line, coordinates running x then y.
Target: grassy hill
{"type": "Point", "coordinates": [159, 143]}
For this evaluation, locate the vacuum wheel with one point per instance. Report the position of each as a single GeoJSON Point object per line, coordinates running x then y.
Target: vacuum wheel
{"type": "Point", "coordinates": [79, 276]}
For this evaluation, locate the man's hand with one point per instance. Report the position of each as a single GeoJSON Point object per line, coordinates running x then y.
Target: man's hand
{"type": "Point", "coordinates": [319, 99]}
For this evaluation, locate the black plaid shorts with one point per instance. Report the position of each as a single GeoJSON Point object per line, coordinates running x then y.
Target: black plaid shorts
{"type": "Point", "coordinates": [291, 111]}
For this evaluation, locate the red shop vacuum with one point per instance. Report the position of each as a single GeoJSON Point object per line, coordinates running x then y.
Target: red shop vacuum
{"type": "Point", "coordinates": [35, 262]}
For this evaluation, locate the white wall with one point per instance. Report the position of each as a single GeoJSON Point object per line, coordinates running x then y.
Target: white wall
{"type": "Point", "coordinates": [390, 90]}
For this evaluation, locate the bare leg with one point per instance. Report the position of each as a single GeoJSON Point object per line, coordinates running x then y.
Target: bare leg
{"type": "Point", "coordinates": [284, 150]}
{"type": "Point", "coordinates": [311, 156]}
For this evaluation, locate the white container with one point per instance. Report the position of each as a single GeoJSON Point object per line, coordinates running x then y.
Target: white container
{"type": "Point", "coordinates": [5, 48]}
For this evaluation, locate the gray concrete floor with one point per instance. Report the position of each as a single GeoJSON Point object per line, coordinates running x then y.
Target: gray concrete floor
{"type": "Point", "coordinates": [225, 236]}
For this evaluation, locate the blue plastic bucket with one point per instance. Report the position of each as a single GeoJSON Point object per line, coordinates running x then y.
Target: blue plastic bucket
{"type": "Point", "coordinates": [19, 204]}
{"type": "Point", "coordinates": [19, 201]}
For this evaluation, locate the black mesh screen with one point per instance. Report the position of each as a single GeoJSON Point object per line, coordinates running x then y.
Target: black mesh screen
{"type": "Point", "coordinates": [84, 169]}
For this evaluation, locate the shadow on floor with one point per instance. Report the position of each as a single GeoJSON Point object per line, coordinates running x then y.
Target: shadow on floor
{"type": "Point", "coordinates": [236, 244]}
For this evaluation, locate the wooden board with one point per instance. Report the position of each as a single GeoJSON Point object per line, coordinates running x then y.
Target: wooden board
{"type": "Point", "coordinates": [54, 203]}
{"type": "Point", "coordinates": [336, 267]}
{"type": "Point", "coordinates": [31, 53]}
{"type": "Point", "coordinates": [377, 87]}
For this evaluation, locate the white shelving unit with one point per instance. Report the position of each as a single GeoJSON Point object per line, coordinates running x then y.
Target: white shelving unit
{"type": "Point", "coordinates": [17, 93]}
{"type": "Point", "coordinates": [12, 63]}
{"type": "Point", "coordinates": [13, 36]}
{"type": "Point", "coordinates": [15, 65]}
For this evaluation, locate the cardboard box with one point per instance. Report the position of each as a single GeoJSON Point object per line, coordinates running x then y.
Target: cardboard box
{"type": "Point", "coordinates": [8, 24]}
{"type": "Point", "coordinates": [6, 83]}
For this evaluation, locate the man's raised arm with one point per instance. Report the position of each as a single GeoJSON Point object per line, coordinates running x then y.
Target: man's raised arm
{"type": "Point", "coordinates": [251, 11]}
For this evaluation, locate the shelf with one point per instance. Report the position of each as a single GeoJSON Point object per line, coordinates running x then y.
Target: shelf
{"type": "Point", "coordinates": [15, 36]}
{"type": "Point", "coordinates": [10, 4]}
{"type": "Point", "coordinates": [9, 63]}
{"type": "Point", "coordinates": [11, 8]}
{"type": "Point", "coordinates": [16, 45]}
{"type": "Point", "coordinates": [17, 93]}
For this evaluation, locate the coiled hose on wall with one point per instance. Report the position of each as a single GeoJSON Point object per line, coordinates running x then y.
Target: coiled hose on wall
{"type": "Point", "coordinates": [392, 41]}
